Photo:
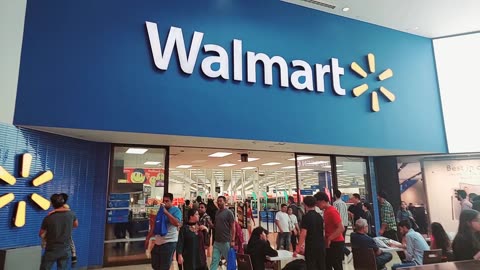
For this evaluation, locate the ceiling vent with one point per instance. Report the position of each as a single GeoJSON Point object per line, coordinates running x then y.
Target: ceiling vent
{"type": "Point", "coordinates": [318, 3]}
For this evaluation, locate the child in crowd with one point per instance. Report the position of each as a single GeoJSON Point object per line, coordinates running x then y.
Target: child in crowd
{"type": "Point", "coordinates": [66, 207]}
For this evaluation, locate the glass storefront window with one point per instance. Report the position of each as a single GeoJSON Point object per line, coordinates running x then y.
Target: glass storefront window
{"type": "Point", "coordinates": [137, 183]}
{"type": "Point", "coordinates": [314, 174]}
{"type": "Point", "coordinates": [352, 176]}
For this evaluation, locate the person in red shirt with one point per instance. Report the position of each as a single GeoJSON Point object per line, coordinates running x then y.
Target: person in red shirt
{"type": "Point", "coordinates": [334, 241]}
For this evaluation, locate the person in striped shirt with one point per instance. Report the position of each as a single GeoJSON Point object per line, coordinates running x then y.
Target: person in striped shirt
{"type": "Point", "coordinates": [341, 207]}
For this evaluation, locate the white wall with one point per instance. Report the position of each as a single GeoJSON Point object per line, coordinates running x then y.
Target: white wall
{"type": "Point", "coordinates": [12, 17]}
{"type": "Point", "coordinates": [458, 67]}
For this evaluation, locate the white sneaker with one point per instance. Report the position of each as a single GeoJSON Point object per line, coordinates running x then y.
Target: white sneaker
{"type": "Point", "coordinates": [349, 258]}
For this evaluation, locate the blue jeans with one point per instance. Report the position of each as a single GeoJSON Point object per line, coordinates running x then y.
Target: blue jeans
{"type": "Point", "coordinates": [283, 240]}
{"type": "Point", "coordinates": [401, 265]}
{"type": "Point", "coordinates": [49, 258]}
{"type": "Point", "coordinates": [383, 259]}
{"type": "Point", "coordinates": [219, 249]}
{"type": "Point", "coordinates": [162, 256]}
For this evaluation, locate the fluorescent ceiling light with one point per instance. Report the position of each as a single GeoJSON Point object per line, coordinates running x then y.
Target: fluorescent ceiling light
{"type": "Point", "coordinates": [250, 159]}
{"type": "Point", "coordinates": [184, 166]}
{"type": "Point", "coordinates": [301, 158]}
{"type": "Point", "coordinates": [317, 162]}
{"type": "Point", "coordinates": [345, 9]}
{"type": "Point", "coordinates": [341, 170]}
{"type": "Point", "coordinates": [227, 165]}
{"type": "Point", "coordinates": [249, 168]}
{"type": "Point", "coordinates": [152, 163]}
{"type": "Point", "coordinates": [136, 151]}
{"type": "Point", "coordinates": [328, 166]}
{"type": "Point", "coordinates": [305, 170]}
{"type": "Point", "coordinates": [289, 167]}
{"type": "Point", "coordinates": [220, 154]}
{"type": "Point", "coordinates": [271, 164]}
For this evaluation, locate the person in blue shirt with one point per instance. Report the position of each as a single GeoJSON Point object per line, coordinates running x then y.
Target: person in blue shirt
{"type": "Point", "coordinates": [414, 246]}
{"type": "Point", "coordinates": [162, 252]}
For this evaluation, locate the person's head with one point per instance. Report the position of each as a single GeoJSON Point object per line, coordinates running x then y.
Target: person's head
{"type": "Point", "coordinates": [403, 205]}
{"type": "Point", "coordinates": [187, 202]}
{"type": "Point", "coordinates": [168, 200]}
{"type": "Point", "coordinates": [290, 210]}
{"type": "Point", "coordinates": [441, 238]}
{"type": "Point", "coordinates": [356, 198]}
{"type": "Point", "coordinates": [338, 194]}
{"type": "Point", "coordinates": [404, 226]}
{"type": "Point", "coordinates": [291, 200]}
{"type": "Point", "coordinates": [57, 201]}
{"type": "Point", "coordinates": [210, 202]}
{"type": "Point", "coordinates": [283, 207]}
{"type": "Point", "coordinates": [381, 196]}
{"type": "Point", "coordinates": [361, 226]}
{"type": "Point", "coordinates": [322, 200]}
{"type": "Point", "coordinates": [461, 194]}
{"type": "Point", "coordinates": [259, 233]}
{"type": "Point", "coordinates": [65, 196]}
{"type": "Point", "coordinates": [309, 202]}
{"type": "Point", "coordinates": [199, 199]}
{"type": "Point", "coordinates": [366, 206]}
{"type": "Point", "coordinates": [192, 215]}
{"type": "Point", "coordinates": [221, 201]}
{"type": "Point", "coordinates": [472, 196]}
{"type": "Point", "coordinates": [202, 208]}
{"type": "Point", "coordinates": [469, 222]}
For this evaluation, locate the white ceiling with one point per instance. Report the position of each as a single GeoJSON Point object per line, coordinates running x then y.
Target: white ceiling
{"type": "Point", "coordinates": [428, 18]}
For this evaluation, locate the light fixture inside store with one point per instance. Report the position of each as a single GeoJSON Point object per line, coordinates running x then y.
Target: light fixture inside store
{"type": "Point", "coordinates": [136, 151]}
{"type": "Point", "coordinates": [250, 159]}
{"type": "Point", "coordinates": [317, 162]}
{"type": "Point", "coordinates": [345, 9]}
{"type": "Point", "coordinates": [271, 164]}
{"type": "Point", "coordinates": [220, 154]}
{"type": "Point", "coordinates": [184, 166]}
{"type": "Point", "coordinates": [341, 170]}
{"type": "Point", "coordinates": [249, 168]}
{"type": "Point", "coordinates": [289, 167]}
{"type": "Point", "coordinates": [152, 163]}
{"type": "Point", "coordinates": [227, 165]}
{"type": "Point", "coordinates": [301, 158]}
{"type": "Point", "coordinates": [305, 170]}
{"type": "Point", "coordinates": [328, 166]}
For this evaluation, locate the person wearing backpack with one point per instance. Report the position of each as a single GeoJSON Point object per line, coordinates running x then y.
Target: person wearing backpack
{"type": "Point", "coordinates": [169, 218]}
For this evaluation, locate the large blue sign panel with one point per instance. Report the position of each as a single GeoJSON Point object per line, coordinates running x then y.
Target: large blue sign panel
{"type": "Point", "coordinates": [245, 69]}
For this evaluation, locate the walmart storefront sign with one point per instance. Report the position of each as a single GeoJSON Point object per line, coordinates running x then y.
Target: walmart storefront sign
{"type": "Point", "coordinates": [303, 78]}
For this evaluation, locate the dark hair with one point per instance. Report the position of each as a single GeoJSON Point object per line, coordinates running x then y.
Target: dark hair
{"type": "Point", "coordinates": [477, 198]}
{"type": "Point", "coordinates": [222, 197]}
{"type": "Point", "coordinates": [382, 194]}
{"type": "Point", "coordinates": [309, 201]}
{"type": "Point", "coordinates": [464, 228]}
{"type": "Point", "coordinates": [199, 198]}
{"type": "Point", "coordinates": [283, 205]}
{"type": "Point", "coordinates": [202, 203]}
{"type": "Point", "coordinates": [321, 196]}
{"type": "Point", "coordinates": [441, 238]}
{"type": "Point", "coordinates": [368, 206]}
{"type": "Point", "coordinates": [291, 199]}
{"type": "Point", "coordinates": [476, 204]}
{"type": "Point", "coordinates": [337, 193]}
{"type": "Point", "coordinates": [65, 197]}
{"type": "Point", "coordinates": [461, 193]}
{"type": "Point", "coordinates": [187, 202]}
{"type": "Point", "coordinates": [472, 195]}
{"type": "Point", "coordinates": [405, 223]}
{"type": "Point", "coordinates": [356, 195]}
{"type": "Point", "coordinates": [256, 234]}
{"type": "Point", "coordinates": [57, 200]}
{"type": "Point", "coordinates": [190, 213]}
{"type": "Point", "coordinates": [168, 195]}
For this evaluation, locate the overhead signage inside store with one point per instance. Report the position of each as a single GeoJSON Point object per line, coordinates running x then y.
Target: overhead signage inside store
{"type": "Point", "coordinates": [304, 77]}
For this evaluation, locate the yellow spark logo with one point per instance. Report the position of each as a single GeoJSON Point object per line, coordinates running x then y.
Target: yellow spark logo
{"type": "Point", "coordinates": [361, 89]}
{"type": "Point", "coordinates": [43, 178]}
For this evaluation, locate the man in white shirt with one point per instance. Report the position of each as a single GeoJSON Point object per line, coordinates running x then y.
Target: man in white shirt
{"type": "Point", "coordinates": [341, 207]}
{"type": "Point", "coordinates": [282, 221]}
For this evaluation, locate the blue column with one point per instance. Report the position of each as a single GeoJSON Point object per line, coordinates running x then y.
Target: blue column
{"type": "Point", "coordinates": [373, 185]}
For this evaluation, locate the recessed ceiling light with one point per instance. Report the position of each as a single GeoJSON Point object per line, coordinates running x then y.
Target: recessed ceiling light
{"type": "Point", "coordinates": [249, 168]}
{"type": "Point", "coordinates": [271, 164]}
{"type": "Point", "coordinates": [136, 151]}
{"type": "Point", "coordinates": [416, 28]}
{"type": "Point", "coordinates": [220, 154]}
{"type": "Point", "coordinates": [184, 166]}
{"type": "Point", "coordinates": [250, 159]}
{"type": "Point", "coordinates": [345, 9]}
{"type": "Point", "coordinates": [341, 170]}
{"type": "Point", "coordinates": [227, 165]}
{"type": "Point", "coordinates": [301, 158]}
{"type": "Point", "coordinates": [289, 167]}
{"type": "Point", "coordinates": [152, 163]}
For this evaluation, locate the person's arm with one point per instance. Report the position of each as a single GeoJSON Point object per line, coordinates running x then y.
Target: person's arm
{"type": "Point", "coordinates": [410, 215]}
{"type": "Point", "coordinates": [301, 242]}
{"type": "Point", "coordinates": [174, 220]}
{"type": "Point", "coordinates": [399, 216]}
{"type": "Point", "coordinates": [43, 228]}
{"type": "Point", "coordinates": [269, 251]}
{"type": "Point", "coordinates": [409, 248]}
{"type": "Point", "coordinates": [338, 231]}
{"type": "Point", "coordinates": [209, 222]}
{"type": "Point", "coordinates": [180, 245]}
{"type": "Point", "coordinates": [277, 222]}
{"type": "Point", "coordinates": [75, 223]}
{"type": "Point", "coordinates": [233, 230]}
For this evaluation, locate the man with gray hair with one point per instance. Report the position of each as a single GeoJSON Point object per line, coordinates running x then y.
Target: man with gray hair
{"type": "Point", "coordinates": [360, 239]}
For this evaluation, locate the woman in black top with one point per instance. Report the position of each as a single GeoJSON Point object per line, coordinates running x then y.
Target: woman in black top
{"type": "Point", "coordinates": [190, 249]}
{"type": "Point", "coordinates": [369, 217]}
{"type": "Point", "coordinates": [211, 212]}
{"type": "Point", "coordinates": [259, 248]}
{"type": "Point", "coordinates": [466, 245]}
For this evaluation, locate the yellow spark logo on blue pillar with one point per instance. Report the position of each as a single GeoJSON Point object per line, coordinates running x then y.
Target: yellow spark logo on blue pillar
{"type": "Point", "coordinates": [361, 89]}
{"type": "Point", "coordinates": [45, 177]}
